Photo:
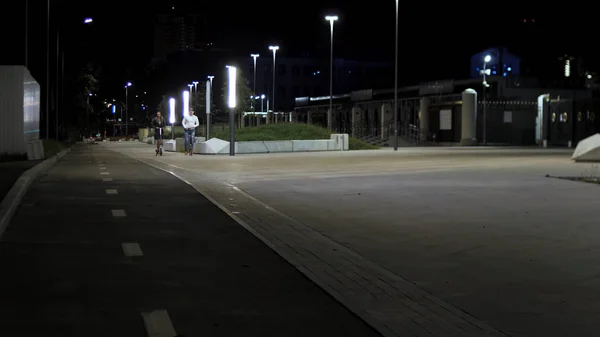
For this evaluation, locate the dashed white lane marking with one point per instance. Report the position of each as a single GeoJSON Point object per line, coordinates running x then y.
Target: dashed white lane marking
{"type": "Point", "coordinates": [106, 179]}
{"type": "Point", "coordinates": [102, 168]}
{"type": "Point", "coordinates": [111, 191]}
{"type": "Point", "coordinates": [118, 212]}
{"type": "Point", "coordinates": [158, 324]}
{"type": "Point", "coordinates": [132, 249]}
{"type": "Point", "coordinates": [104, 173]}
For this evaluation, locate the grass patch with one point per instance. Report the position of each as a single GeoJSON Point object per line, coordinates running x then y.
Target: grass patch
{"type": "Point", "coordinates": [287, 131]}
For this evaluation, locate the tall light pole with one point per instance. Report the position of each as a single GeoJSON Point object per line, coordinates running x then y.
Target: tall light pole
{"type": "Point", "coordinates": [195, 83]}
{"type": "Point", "coordinates": [485, 72]}
{"type": "Point", "coordinates": [274, 49]}
{"type": "Point", "coordinates": [332, 19]}
{"type": "Point", "coordinates": [208, 104]}
{"type": "Point", "coordinates": [48, 72]}
{"type": "Point", "coordinates": [191, 86]}
{"type": "Point", "coordinates": [127, 107]}
{"type": "Point", "coordinates": [262, 103]}
{"type": "Point", "coordinates": [232, 102]}
{"type": "Point", "coordinates": [27, 34]}
{"type": "Point", "coordinates": [172, 116]}
{"type": "Point", "coordinates": [396, 83]}
{"type": "Point", "coordinates": [254, 56]}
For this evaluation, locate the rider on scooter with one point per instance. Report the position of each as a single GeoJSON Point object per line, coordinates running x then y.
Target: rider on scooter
{"type": "Point", "coordinates": [158, 123]}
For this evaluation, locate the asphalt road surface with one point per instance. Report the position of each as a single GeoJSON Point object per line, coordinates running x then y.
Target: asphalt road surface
{"type": "Point", "coordinates": [104, 245]}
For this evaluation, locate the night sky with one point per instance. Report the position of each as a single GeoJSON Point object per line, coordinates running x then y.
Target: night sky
{"type": "Point", "coordinates": [436, 41]}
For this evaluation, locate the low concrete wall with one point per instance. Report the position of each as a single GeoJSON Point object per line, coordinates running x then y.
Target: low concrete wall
{"type": "Point", "coordinates": [279, 146]}
{"type": "Point", "coordinates": [219, 146]}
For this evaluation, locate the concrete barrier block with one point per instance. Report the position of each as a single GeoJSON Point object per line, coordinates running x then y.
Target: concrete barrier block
{"type": "Point", "coordinates": [35, 150]}
{"type": "Point", "coordinates": [170, 145]}
{"type": "Point", "coordinates": [279, 146]}
{"type": "Point", "coordinates": [343, 138]}
{"type": "Point", "coordinates": [213, 146]}
{"type": "Point", "coordinates": [588, 150]}
{"type": "Point", "coordinates": [180, 144]}
{"type": "Point", "coordinates": [200, 139]}
{"type": "Point", "coordinates": [250, 147]}
{"type": "Point", "coordinates": [310, 145]}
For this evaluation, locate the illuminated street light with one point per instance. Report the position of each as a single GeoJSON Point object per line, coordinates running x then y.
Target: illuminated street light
{"type": "Point", "coordinates": [127, 85]}
{"type": "Point", "coordinates": [331, 19]}
{"type": "Point", "coordinates": [274, 49]}
{"type": "Point", "coordinates": [485, 72]}
{"type": "Point", "coordinates": [88, 20]}
{"type": "Point", "coordinates": [232, 100]}
{"type": "Point", "coordinates": [186, 103]}
{"type": "Point", "coordinates": [172, 116]}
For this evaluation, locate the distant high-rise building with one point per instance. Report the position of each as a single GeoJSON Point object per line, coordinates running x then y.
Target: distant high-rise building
{"type": "Point", "coordinates": [174, 32]}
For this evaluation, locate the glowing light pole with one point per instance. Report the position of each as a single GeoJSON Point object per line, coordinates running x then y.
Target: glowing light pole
{"type": "Point", "coordinates": [208, 94]}
{"type": "Point", "coordinates": [127, 107]}
{"type": "Point", "coordinates": [331, 19]}
{"type": "Point", "coordinates": [485, 72]}
{"type": "Point", "coordinates": [186, 103]}
{"type": "Point", "coordinates": [232, 104]}
{"type": "Point", "coordinates": [172, 116]}
{"type": "Point", "coordinates": [254, 56]}
{"type": "Point", "coordinates": [274, 49]}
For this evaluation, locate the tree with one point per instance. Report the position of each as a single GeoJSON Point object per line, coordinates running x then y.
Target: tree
{"type": "Point", "coordinates": [243, 92]}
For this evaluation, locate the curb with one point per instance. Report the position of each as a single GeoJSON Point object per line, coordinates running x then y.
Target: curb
{"type": "Point", "coordinates": [13, 198]}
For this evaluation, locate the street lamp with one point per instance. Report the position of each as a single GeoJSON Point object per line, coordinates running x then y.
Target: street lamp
{"type": "Point", "coordinates": [186, 103]}
{"type": "Point", "coordinates": [254, 57]}
{"type": "Point", "coordinates": [262, 101]}
{"type": "Point", "coordinates": [88, 20]}
{"type": "Point", "coordinates": [127, 107]}
{"type": "Point", "coordinates": [208, 104]}
{"type": "Point", "coordinates": [485, 72]}
{"type": "Point", "coordinates": [274, 49]}
{"type": "Point", "coordinates": [172, 116]}
{"type": "Point", "coordinates": [331, 19]}
{"type": "Point", "coordinates": [232, 100]}
{"type": "Point", "coordinates": [396, 83]}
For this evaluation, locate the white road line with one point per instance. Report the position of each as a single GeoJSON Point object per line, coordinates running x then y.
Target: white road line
{"type": "Point", "coordinates": [132, 249]}
{"type": "Point", "coordinates": [104, 173]}
{"type": "Point", "coordinates": [118, 212]}
{"type": "Point", "coordinates": [158, 324]}
{"type": "Point", "coordinates": [112, 191]}
{"type": "Point", "coordinates": [102, 168]}
{"type": "Point", "coordinates": [107, 179]}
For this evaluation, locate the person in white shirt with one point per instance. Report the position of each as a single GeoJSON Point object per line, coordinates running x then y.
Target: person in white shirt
{"type": "Point", "coordinates": [190, 123]}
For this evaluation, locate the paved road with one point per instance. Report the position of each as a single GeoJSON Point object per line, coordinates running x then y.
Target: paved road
{"type": "Point", "coordinates": [481, 229]}
{"type": "Point", "coordinates": [106, 246]}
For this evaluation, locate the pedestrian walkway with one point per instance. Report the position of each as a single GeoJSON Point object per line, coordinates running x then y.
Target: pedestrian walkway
{"type": "Point", "coordinates": [104, 245]}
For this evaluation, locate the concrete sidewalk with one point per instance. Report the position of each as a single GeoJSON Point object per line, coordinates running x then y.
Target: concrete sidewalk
{"type": "Point", "coordinates": [106, 246]}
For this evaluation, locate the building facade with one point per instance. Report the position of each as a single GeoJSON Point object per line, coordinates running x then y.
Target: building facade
{"type": "Point", "coordinates": [434, 113]}
{"type": "Point", "coordinates": [174, 32]}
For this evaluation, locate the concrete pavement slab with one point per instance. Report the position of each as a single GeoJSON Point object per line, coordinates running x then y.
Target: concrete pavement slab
{"type": "Point", "coordinates": [64, 272]}
{"type": "Point", "coordinates": [482, 229]}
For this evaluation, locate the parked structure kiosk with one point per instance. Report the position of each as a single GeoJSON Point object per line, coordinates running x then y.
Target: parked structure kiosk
{"type": "Point", "coordinates": [19, 113]}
